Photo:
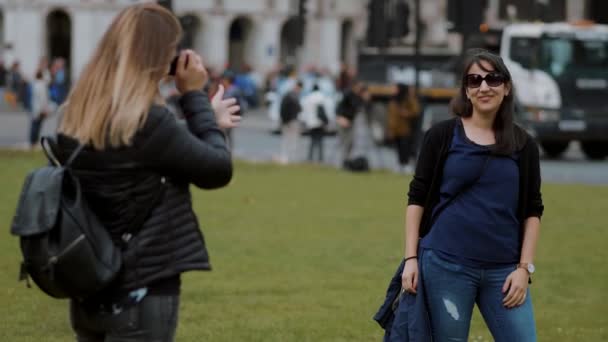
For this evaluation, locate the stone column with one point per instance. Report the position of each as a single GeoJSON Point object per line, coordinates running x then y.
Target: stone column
{"type": "Point", "coordinates": [575, 10]}
{"type": "Point", "coordinates": [216, 40]}
{"type": "Point", "coordinates": [88, 27]}
{"type": "Point", "coordinates": [321, 43]}
{"type": "Point", "coordinates": [24, 30]}
{"type": "Point", "coordinates": [329, 44]}
{"type": "Point", "coordinates": [265, 43]}
{"type": "Point", "coordinates": [200, 43]}
{"type": "Point", "coordinates": [434, 15]}
{"type": "Point", "coordinates": [84, 40]}
{"type": "Point", "coordinates": [492, 14]}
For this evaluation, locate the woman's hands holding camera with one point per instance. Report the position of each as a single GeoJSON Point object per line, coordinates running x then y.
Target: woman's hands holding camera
{"type": "Point", "coordinates": [190, 74]}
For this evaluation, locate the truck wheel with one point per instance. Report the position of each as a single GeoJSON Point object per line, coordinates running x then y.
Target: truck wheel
{"type": "Point", "coordinates": [595, 150]}
{"type": "Point", "coordinates": [554, 150]}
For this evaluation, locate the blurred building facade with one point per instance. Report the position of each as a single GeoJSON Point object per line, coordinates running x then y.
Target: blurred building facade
{"type": "Point", "coordinates": [258, 33]}
{"type": "Point", "coordinates": [261, 33]}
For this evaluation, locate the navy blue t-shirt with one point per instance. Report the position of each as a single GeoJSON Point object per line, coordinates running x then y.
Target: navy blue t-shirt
{"type": "Point", "coordinates": [479, 228]}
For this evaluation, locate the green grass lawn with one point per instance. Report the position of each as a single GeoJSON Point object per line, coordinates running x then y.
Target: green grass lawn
{"type": "Point", "coordinates": [303, 253]}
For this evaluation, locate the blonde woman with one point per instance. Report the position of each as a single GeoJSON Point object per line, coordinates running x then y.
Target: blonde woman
{"type": "Point", "coordinates": [138, 159]}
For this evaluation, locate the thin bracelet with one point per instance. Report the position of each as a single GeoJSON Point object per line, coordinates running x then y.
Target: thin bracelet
{"type": "Point", "coordinates": [412, 257]}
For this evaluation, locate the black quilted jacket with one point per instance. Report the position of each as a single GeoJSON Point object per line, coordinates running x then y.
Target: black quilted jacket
{"type": "Point", "coordinates": [164, 158]}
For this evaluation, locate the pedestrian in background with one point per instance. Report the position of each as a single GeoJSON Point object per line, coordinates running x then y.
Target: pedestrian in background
{"type": "Point", "coordinates": [284, 82]}
{"type": "Point", "coordinates": [316, 115]}
{"type": "Point", "coordinates": [59, 81]}
{"type": "Point", "coordinates": [3, 77]}
{"type": "Point", "coordinates": [403, 109]}
{"type": "Point", "coordinates": [247, 84]}
{"type": "Point", "coordinates": [232, 91]}
{"type": "Point", "coordinates": [351, 104]}
{"type": "Point", "coordinates": [345, 78]}
{"type": "Point", "coordinates": [475, 201]}
{"type": "Point", "coordinates": [290, 109]}
{"type": "Point", "coordinates": [41, 107]}
{"type": "Point", "coordinates": [136, 156]}
{"type": "Point", "coordinates": [43, 67]}
{"type": "Point", "coordinates": [15, 93]}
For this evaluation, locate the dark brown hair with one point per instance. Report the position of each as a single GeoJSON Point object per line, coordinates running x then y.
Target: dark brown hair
{"type": "Point", "coordinates": [503, 123]}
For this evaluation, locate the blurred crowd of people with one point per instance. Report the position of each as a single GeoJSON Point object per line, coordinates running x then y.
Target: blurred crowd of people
{"type": "Point", "coordinates": [312, 102]}
{"type": "Point", "coordinates": [39, 95]}
{"type": "Point", "coordinates": [315, 103]}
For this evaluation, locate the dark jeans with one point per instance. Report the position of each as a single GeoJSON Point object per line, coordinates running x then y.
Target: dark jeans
{"type": "Point", "coordinates": [453, 289]}
{"type": "Point", "coordinates": [404, 147]}
{"type": "Point", "coordinates": [346, 140]}
{"type": "Point", "coordinates": [35, 128]}
{"type": "Point", "coordinates": [316, 143]}
{"type": "Point", "coordinates": [154, 319]}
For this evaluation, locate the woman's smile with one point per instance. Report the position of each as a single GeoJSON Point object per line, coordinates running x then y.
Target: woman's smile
{"type": "Point", "coordinates": [485, 98]}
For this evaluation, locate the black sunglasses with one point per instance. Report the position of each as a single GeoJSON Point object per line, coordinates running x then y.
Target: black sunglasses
{"type": "Point", "coordinates": [492, 79]}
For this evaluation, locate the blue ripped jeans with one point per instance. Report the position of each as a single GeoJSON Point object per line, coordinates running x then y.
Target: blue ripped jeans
{"type": "Point", "coordinates": [452, 290]}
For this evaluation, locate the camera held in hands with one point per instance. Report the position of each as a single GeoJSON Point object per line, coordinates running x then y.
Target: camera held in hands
{"type": "Point", "coordinates": [173, 67]}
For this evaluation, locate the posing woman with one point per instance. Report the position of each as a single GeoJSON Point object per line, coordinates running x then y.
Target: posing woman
{"type": "Point", "coordinates": [138, 159]}
{"type": "Point", "coordinates": [475, 202]}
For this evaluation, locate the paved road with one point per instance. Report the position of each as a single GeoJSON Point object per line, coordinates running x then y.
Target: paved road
{"type": "Point", "coordinates": [253, 141]}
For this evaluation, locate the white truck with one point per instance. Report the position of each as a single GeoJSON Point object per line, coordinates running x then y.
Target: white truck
{"type": "Point", "coordinates": [560, 71]}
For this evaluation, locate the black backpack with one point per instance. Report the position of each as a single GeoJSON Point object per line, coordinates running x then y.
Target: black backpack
{"type": "Point", "coordinates": [322, 115]}
{"type": "Point", "coordinates": [289, 108]}
{"type": "Point", "coordinates": [341, 107]}
{"type": "Point", "coordinates": [357, 164]}
{"type": "Point", "coordinates": [66, 249]}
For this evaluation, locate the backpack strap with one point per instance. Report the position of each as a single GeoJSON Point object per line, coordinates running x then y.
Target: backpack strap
{"type": "Point", "coordinates": [49, 144]}
{"type": "Point", "coordinates": [45, 143]}
{"type": "Point", "coordinates": [74, 154]}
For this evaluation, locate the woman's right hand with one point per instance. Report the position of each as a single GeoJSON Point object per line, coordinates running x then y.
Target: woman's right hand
{"type": "Point", "coordinates": [190, 74]}
{"type": "Point", "coordinates": [409, 277]}
{"type": "Point", "coordinates": [225, 110]}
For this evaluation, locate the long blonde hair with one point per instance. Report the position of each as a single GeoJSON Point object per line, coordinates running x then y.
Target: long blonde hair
{"type": "Point", "coordinates": [111, 99]}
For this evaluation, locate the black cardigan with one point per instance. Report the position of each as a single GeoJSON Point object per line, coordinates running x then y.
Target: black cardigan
{"type": "Point", "coordinates": [425, 186]}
